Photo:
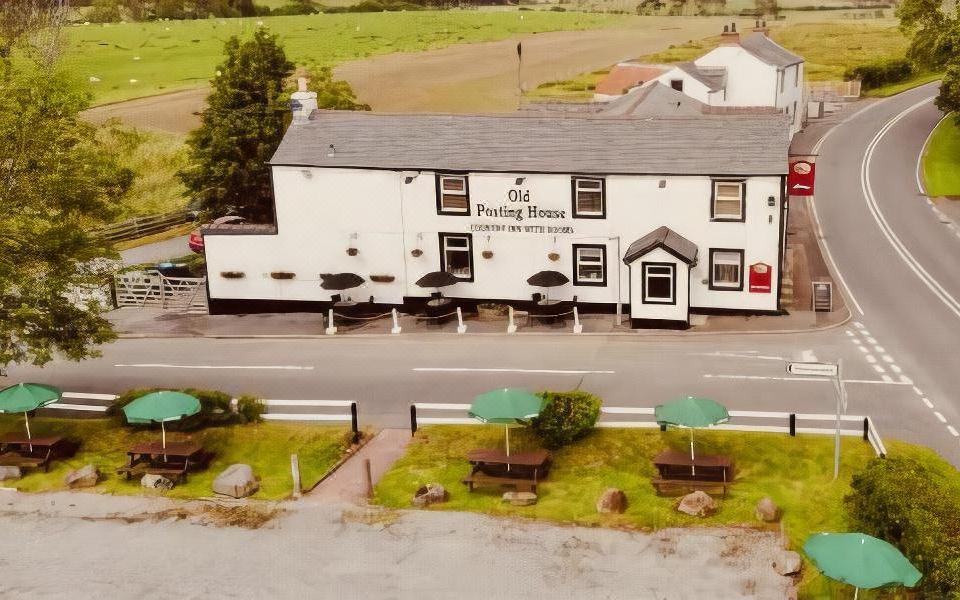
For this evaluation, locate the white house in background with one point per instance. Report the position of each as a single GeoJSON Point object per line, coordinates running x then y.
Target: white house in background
{"type": "Point", "coordinates": [656, 218]}
{"type": "Point", "coordinates": [749, 71]}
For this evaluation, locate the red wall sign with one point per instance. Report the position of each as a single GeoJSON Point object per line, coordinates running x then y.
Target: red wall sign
{"type": "Point", "coordinates": [760, 278]}
{"type": "Point", "coordinates": [800, 179]}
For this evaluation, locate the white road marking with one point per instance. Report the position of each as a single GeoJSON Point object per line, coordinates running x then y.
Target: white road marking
{"type": "Point", "coordinates": [848, 332]}
{"type": "Point", "coordinates": [871, 358]}
{"type": "Point", "coordinates": [940, 417]}
{"type": "Point", "coordinates": [856, 341]}
{"type": "Point", "coordinates": [953, 431]}
{"type": "Point", "coordinates": [472, 370]}
{"type": "Point", "coordinates": [738, 355]}
{"type": "Point", "coordinates": [871, 340]}
{"type": "Point", "coordinates": [887, 358]}
{"type": "Point", "coordinates": [887, 378]}
{"type": "Point", "coordinates": [808, 356]}
{"type": "Point", "coordinates": [826, 248]}
{"type": "Point", "coordinates": [808, 379]}
{"type": "Point", "coordinates": [863, 349]}
{"type": "Point", "coordinates": [917, 391]}
{"type": "Point", "coordinates": [879, 349]}
{"type": "Point", "coordinates": [906, 380]}
{"type": "Point", "coordinates": [879, 369]}
{"type": "Point", "coordinates": [258, 367]}
{"type": "Point", "coordinates": [923, 150]}
{"type": "Point", "coordinates": [858, 324]}
{"type": "Point", "coordinates": [896, 369]}
{"type": "Point", "coordinates": [864, 332]}
{"type": "Point", "coordinates": [927, 402]}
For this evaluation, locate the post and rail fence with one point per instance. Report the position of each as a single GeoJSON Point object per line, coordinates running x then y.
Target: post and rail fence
{"type": "Point", "coordinates": [138, 227]}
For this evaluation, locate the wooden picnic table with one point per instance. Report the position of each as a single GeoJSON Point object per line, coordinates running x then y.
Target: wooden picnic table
{"type": "Point", "coordinates": [678, 472]}
{"type": "Point", "coordinates": [519, 470]}
{"type": "Point", "coordinates": [17, 450]}
{"type": "Point", "coordinates": [174, 460]}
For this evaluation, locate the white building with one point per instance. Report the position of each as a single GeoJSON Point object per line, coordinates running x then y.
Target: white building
{"type": "Point", "coordinates": [659, 217]}
{"type": "Point", "coordinates": [751, 71]}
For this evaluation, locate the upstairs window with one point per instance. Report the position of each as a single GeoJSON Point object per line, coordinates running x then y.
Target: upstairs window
{"type": "Point", "coordinates": [677, 84]}
{"type": "Point", "coordinates": [727, 202]}
{"type": "Point", "coordinates": [453, 195]}
{"type": "Point", "coordinates": [726, 269]}
{"type": "Point", "coordinates": [456, 254]}
{"type": "Point", "coordinates": [589, 200]}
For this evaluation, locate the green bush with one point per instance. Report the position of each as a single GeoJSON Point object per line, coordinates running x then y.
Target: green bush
{"type": "Point", "coordinates": [880, 73]}
{"type": "Point", "coordinates": [215, 409]}
{"type": "Point", "coordinates": [916, 509]}
{"type": "Point", "coordinates": [566, 417]}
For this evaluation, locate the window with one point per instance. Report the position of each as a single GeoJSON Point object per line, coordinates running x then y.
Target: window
{"type": "Point", "coordinates": [794, 112]}
{"type": "Point", "coordinates": [796, 77]}
{"type": "Point", "coordinates": [453, 195]}
{"type": "Point", "coordinates": [727, 202]}
{"type": "Point", "coordinates": [726, 269]}
{"type": "Point", "coordinates": [588, 198]}
{"type": "Point", "coordinates": [456, 254]}
{"type": "Point", "coordinates": [659, 283]}
{"type": "Point", "coordinates": [677, 84]}
{"type": "Point", "coordinates": [780, 78]}
{"type": "Point", "coordinates": [589, 264]}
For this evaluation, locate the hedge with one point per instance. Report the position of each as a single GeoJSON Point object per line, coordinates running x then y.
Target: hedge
{"type": "Point", "coordinates": [880, 73]}
{"type": "Point", "coordinates": [566, 417]}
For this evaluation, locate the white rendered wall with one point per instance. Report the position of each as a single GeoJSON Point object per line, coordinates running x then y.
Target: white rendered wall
{"type": "Point", "coordinates": [669, 312]}
{"type": "Point", "coordinates": [691, 87]}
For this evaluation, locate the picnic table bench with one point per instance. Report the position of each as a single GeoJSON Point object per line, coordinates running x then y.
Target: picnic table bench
{"type": "Point", "coordinates": [172, 461]}
{"type": "Point", "coordinates": [493, 467]}
{"type": "Point", "coordinates": [679, 474]}
{"type": "Point", "coordinates": [17, 450]}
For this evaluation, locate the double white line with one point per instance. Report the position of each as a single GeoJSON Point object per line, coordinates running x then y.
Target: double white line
{"type": "Point", "coordinates": [938, 290]}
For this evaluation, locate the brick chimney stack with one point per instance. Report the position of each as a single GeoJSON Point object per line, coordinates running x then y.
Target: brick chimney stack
{"type": "Point", "coordinates": [761, 27]}
{"type": "Point", "coordinates": [730, 37]}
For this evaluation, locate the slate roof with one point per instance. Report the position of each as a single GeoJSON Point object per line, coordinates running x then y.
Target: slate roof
{"type": "Point", "coordinates": [666, 238]}
{"type": "Point", "coordinates": [655, 100]}
{"type": "Point", "coordinates": [768, 50]}
{"type": "Point", "coordinates": [539, 143]}
{"type": "Point", "coordinates": [715, 78]}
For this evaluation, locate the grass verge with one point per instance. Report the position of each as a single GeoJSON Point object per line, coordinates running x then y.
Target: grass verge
{"type": "Point", "coordinates": [941, 159]}
{"type": "Point", "coordinates": [264, 446]}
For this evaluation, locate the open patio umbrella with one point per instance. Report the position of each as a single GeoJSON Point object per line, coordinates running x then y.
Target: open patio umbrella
{"type": "Point", "coordinates": [161, 407]}
{"type": "Point", "coordinates": [24, 397]}
{"type": "Point", "coordinates": [691, 413]}
{"type": "Point", "coordinates": [437, 279]}
{"type": "Point", "coordinates": [509, 406]}
{"type": "Point", "coordinates": [340, 281]}
{"type": "Point", "coordinates": [861, 560]}
{"type": "Point", "coordinates": [548, 279]}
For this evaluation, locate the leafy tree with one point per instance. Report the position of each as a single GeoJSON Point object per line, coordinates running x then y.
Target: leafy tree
{"type": "Point", "coordinates": [949, 98]}
{"type": "Point", "coordinates": [333, 94]}
{"type": "Point", "coordinates": [104, 11]}
{"type": "Point", "coordinates": [240, 130]}
{"type": "Point", "coordinates": [56, 184]}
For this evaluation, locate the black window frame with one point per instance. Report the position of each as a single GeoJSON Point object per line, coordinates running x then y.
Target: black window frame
{"type": "Point", "coordinates": [576, 265]}
{"type": "Point", "coordinates": [643, 283]}
{"type": "Point", "coordinates": [603, 197]}
{"type": "Point", "coordinates": [438, 185]}
{"type": "Point", "coordinates": [726, 288]}
{"type": "Point", "coordinates": [442, 236]}
{"type": "Point", "coordinates": [713, 200]}
{"type": "Point", "coordinates": [673, 83]}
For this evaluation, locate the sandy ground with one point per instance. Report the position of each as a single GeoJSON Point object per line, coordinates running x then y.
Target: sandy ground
{"type": "Point", "coordinates": [324, 551]}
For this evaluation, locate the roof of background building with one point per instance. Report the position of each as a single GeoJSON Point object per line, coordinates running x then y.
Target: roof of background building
{"type": "Point", "coordinates": [655, 100]}
{"type": "Point", "coordinates": [666, 238]}
{"type": "Point", "coordinates": [624, 76]}
{"type": "Point", "coordinates": [767, 50]}
{"type": "Point", "coordinates": [539, 143]}
{"type": "Point", "coordinates": [715, 78]}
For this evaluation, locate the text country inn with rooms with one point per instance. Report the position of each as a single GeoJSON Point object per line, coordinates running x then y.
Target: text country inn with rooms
{"type": "Point", "coordinates": [659, 217]}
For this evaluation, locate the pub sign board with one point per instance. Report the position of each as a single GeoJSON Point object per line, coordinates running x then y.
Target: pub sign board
{"type": "Point", "coordinates": [760, 278]}
{"type": "Point", "coordinates": [800, 179]}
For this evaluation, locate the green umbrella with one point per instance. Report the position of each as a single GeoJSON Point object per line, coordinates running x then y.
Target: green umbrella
{"type": "Point", "coordinates": [861, 560]}
{"type": "Point", "coordinates": [509, 406]}
{"type": "Point", "coordinates": [691, 412]}
{"type": "Point", "coordinates": [160, 407]}
{"type": "Point", "coordinates": [24, 397]}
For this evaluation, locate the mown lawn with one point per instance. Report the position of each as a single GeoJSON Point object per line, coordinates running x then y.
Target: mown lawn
{"type": "Point", "coordinates": [265, 446]}
{"type": "Point", "coordinates": [143, 59]}
{"type": "Point", "coordinates": [941, 160]}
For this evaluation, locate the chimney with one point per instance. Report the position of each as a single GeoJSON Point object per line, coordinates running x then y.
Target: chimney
{"type": "Point", "coordinates": [730, 37]}
{"type": "Point", "coordinates": [302, 102]}
{"type": "Point", "coordinates": [761, 27]}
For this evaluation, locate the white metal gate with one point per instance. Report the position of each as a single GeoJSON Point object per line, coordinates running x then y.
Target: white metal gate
{"type": "Point", "coordinates": [150, 288]}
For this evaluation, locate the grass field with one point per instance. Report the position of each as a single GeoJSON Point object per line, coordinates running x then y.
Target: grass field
{"type": "Point", "coordinates": [941, 160]}
{"type": "Point", "coordinates": [266, 447]}
{"type": "Point", "coordinates": [132, 60]}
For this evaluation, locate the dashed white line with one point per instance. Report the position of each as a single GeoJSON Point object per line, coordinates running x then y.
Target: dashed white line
{"type": "Point", "coordinates": [896, 369]}
{"type": "Point", "coordinates": [953, 431]}
{"type": "Point", "coordinates": [848, 332]}
{"type": "Point", "coordinates": [887, 378]}
{"type": "Point", "coordinates": [927, 402]}
{"type": "Point", "coordinates": [906, 380]}
{"type": "Point", "coordinates": [871, 340]}
{"type": "Point", "coordinates": [940, 417]}
{"type": "Point", "coordinates": [864, 332]}
{"type": "Point", "coordinates": [480, 370]}
{"type": "Point", "coordinates": [856, 341]}
{"type": "Point", "coordinates": [858, 324]}
{"type": "Point", "coordinates": [879, 349]}
{"type": "Point", "coordinates": [917, 391]}
{"type": "Point", "coordinates": [265, 367]}
{"type": "Point", "coordinates": [887, 358]}
{"type": "Point", "coordinates": [879, 369]}
{"type": "Point", "coordinates": [864, 349]}
{"type": "Point", "coordinates": [871, 358]}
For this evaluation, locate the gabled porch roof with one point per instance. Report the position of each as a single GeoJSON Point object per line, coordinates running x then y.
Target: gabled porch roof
{"type": "Point", "coordinates": [666, 238]}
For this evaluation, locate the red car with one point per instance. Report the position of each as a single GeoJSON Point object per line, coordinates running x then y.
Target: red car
{"type": "Point", "coordinates": [196, 240]}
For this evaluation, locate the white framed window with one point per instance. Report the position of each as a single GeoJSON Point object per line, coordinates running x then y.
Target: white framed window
{"type": "Point", "coordinates": [727, 202]}
{"type": "Point", "coordinates": [589, 264]}
{"type": "Point", "coordinates": [456, 254]}
{"type": "Point", "coordinates": [589, 200]}
{"type": "Point", "coordinates": [659, 283]}
{"type": "Point", "coordinates": [726, 269]}
{"type": "Point", "coordinates": [453, 195]}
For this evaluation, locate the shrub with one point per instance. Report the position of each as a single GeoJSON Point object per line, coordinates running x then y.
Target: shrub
{"type": "Point", "coordinates": [215, 409]}
{"type": "Point", "coordinates": [566, 417]}
{"type": "Point", "coordinates": [916, 509]}
{"type": "Point", "coordinates": [880, 73]}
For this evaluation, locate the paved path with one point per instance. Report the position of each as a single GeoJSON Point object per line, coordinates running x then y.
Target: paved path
{"type": "Point", "coordinates": [348, 483]}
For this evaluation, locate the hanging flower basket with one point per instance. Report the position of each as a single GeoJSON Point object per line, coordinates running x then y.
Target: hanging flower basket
{"type": "Point", "coordinates": [282, 275]}
{"type": "Point", "coordinates": [352, 251]}
{"type": "Point", "coordinates": [416, 253]}
{"type": "Point", "coordinates": [232, 274]}
{"type": "Point", "coordinates": [487, 254]}
{"type": "Point", "coordinates": [382, 278]}
{"type": "Point", "coordinates": [553, 256]}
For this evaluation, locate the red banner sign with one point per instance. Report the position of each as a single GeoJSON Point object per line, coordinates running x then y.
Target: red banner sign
{"type": "Point", "coordinates": [800, 179]}
{"type": "Point", "coordinates": [760, 278]}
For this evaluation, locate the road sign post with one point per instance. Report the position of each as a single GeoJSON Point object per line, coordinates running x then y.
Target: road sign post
{"type": "Point", "coordinates": [832, 371]}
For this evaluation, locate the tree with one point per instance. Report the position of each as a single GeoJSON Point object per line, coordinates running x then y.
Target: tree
{"type": "Point", "coordinates": [35, 21]}
{"type": "Point", "coordinates": [240, 131]}
{"type": "Point", "coordinates": [55, 185]}
{"type": "Point", "coordinates": [333, 94]}
{"type": "Point", "coordinates": [949, 98]}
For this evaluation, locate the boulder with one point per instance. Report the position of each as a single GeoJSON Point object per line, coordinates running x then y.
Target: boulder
{"type": "Point", "coordinates": [520, 498]}
{"type": "Point", "coordinates": [10, 473]}
{"type": "Point", "coordinates": [83, 477]}
{"type": "Point", "coordinates": [768, 511]}
{"type": "Point", "coordinates": [432, 493]}
{"type": "Point", "coordinates": [156, 482]}
{"type": "Point", "coordinates": [612, 500]}
{"type": "Point", "coordinates": [787, 563]}
{"type": "Point", "coordinates": [697, 504]}
{"type": "Point", "coordinates": [236, 481]}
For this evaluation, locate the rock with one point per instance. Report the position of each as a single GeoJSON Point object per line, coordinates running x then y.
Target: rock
{"type": "Point", "coordinates": [432, 493]}
{"type": "Point", "coordinates": [83, 477]}
{"type": "Point", "coordinates": [612, 500]}
{"type": "Point", "coordinates": [767, 510]}
{"type": "Point", "coordinates": [156, 482]}
{"type": "Point", "coordinates": [10, 473]}
{"type": "Point", "coordinates": [697, 504]}
{"type": "Point", "coordinates": [787, 563]}
{"type": "Point", "coordinates": [236, 481]}
{"type": "Point", "coordinates": [520, 498]}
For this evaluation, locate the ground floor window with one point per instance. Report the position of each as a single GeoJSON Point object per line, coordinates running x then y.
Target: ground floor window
{"type": "Point", "coordinates": [659, 283]}
{"type": "Point", "coordinates": [589, 264]}
{"type": "Point", "coordinates": [726, 269]}
{"type": "Point", "coordinates": [456, 254]}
